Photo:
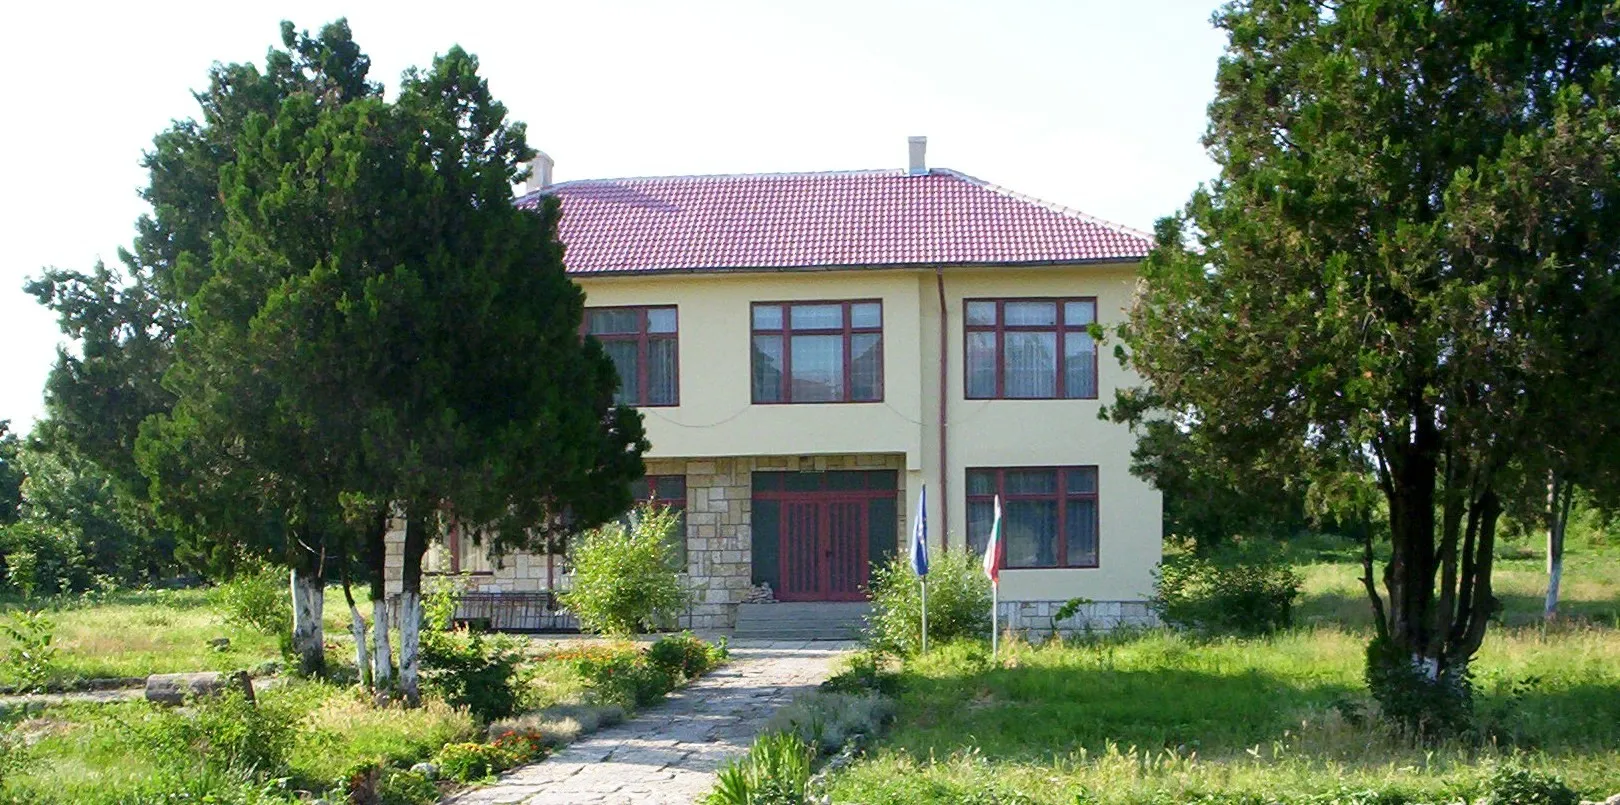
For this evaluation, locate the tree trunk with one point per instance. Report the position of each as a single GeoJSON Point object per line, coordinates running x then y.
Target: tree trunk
{"type": "Point", "coordinates": [309, 638]}
{"type": "Point", "coordinates": [357, 627]}
{"type": "Point", "coordinates": [382, 654]}
{"type": "Point", "coordinates": [1560, 496]}
{"type": "Point", "coordinates": [410, 609]}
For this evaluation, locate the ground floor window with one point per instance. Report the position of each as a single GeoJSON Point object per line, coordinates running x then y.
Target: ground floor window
{"type": "Point", "coordinates": [668, 491]}
{"type": "Point", "coordinates": [1048, 514]}
{"type": "Point", "coordinates": [461, 550]}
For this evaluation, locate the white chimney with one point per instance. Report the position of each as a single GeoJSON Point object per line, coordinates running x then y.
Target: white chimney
{"type": "Point", "coordinates": [919, 150]}
{"type": "Point", "coordinates": [539, 173]}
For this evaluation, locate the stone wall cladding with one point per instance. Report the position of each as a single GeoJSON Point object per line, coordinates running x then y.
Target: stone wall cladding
{"type": "Point", "coordinates": [719, 535]}
{"type": "Point", "coordinates": [1034, 618]}
{"type": "Point", "coordinates": [719, 500]}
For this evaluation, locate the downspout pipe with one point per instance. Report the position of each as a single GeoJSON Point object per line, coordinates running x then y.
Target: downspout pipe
{"type": "Point", "coordinates": [944, 385]}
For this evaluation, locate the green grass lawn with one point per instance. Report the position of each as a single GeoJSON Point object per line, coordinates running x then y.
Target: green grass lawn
{"type": "Point", "coordinates": [1162, 717]}
{"type": "Point", "coordinates": [91, 753]}
{"type": "Point", "coordinates": [141, 632]}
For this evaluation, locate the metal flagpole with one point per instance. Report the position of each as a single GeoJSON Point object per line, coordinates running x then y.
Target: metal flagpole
{"type": "Point", "coordinates": [925, 614]}
{"type": "Point", "coordinates": [995, 628]}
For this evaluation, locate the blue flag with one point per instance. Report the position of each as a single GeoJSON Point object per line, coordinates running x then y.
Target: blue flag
{"type": "Point", "coordinates": [919, 535]}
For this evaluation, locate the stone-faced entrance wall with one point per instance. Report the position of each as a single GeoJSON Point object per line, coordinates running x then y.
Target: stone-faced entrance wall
{"type": "Point", "coordinates": [719, 533]}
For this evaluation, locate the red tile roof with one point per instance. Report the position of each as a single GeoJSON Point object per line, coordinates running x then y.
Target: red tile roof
{"type": "Point", "coordinates": [806, 220]}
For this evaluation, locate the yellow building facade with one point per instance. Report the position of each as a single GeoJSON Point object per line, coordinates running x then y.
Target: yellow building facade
{"type": "Point", "coordinates": [798, 411]}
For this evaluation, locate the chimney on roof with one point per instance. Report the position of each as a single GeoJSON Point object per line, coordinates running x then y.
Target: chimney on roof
{"type": "Point", "coordinates": [919, 150]}
{"type": "Point", "coordinates": [539, 172]}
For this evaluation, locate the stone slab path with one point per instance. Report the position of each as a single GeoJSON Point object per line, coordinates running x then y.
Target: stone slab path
{"type": "Point", "coordinates": [667, 754]}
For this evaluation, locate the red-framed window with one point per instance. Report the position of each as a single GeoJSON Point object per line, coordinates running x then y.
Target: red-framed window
{"type": "Point", "coordinates": [1030, 349]}
{"type": "Point", "coordinates": [463, 550]}
{"type": "Point", "coordinates": [1048, 514]}
{"type": "Point", "coordinates": [668, 491]}
{"type": "Point", "coordinates": [818, 352]}
{"type": "Point", "coordinates": [642, 341]}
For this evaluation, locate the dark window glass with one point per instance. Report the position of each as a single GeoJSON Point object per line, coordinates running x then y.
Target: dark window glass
{"type": "Point", "coordinates": [1048, 514]}
{"type": "Point", "coordinates": [642, 343]}
{"type": "Point", "coordinates": [817, 352]}
{"type": "Point", "coordinates": [1030, 349]}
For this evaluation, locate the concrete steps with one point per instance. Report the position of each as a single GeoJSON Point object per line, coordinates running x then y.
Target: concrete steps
{"type": "Point", "coordinates": [809, 620]}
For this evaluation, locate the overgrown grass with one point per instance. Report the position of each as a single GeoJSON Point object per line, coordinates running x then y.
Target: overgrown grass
{"type": "Point", "coordinates": [141, 632]}
{"type": "Point", "coordinates": [1161, 717]}
{"type": "Point", "coordinates": [91, 752]}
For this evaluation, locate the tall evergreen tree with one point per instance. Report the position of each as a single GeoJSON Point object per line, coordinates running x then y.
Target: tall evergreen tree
{"type": "Point", "coordinates": [124, 322]}
{"type": "Point", "coordinates": [1411, 257]}
{"type": "Point", "coordinates": [383, 328]}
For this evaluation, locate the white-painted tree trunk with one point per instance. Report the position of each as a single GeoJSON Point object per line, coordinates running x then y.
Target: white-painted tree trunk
{"type": "Point", "coordinates": [362, 660]}
{"type": "Point", "coordinates": [382, 656]}
{"type": "Point", "coordinates": [1555, 574]}
{"type": "Point", "coordinates": [1560, 496]}
{"type": "Point", "coordinates": [309, 639]}
{"type": "Point", "coordinates": [410, 632]}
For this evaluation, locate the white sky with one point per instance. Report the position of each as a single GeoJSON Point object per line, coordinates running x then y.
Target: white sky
{"type": "Point", "coordinates": [1095, 104]}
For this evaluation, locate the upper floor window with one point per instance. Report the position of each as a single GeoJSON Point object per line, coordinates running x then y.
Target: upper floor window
{"type": "Point", "coordinates": [642, 343]}
{"type": "Point", "coordinates": [817, 352]}
{"type": "Point", "coordinates": [1031, 349]}
{"type": "Point", "coordinates": [1048, 514]}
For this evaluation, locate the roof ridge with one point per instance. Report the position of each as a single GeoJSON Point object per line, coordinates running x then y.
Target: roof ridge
{"type": "Point", "coordinates": [1048, 205]}
{"type": "Point", "coordinates": [759, 175]}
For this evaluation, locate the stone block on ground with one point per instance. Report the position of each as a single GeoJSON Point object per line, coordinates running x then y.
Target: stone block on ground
{"type": "Point", "coordinates": [174, 689]}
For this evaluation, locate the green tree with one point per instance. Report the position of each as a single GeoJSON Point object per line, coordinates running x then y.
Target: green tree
{"type": "Point", "coordinates": [11, 474]}
{"type": "Point", "coordinates": [1408, 259]}
{"type": "Point", "coordinates": [381, 329]}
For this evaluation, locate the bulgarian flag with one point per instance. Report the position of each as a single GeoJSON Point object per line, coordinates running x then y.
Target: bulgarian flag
{"type": "Point", "coordinates": [995, 554]}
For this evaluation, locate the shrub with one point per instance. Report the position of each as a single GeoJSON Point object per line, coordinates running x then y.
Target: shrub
{"type": "Point", "coordinates": [624, 579]}
{"type": "Point", "coordinates": [828, 720]}
{"type": "Point", "coordinates": [13, 755]}
{"type": "Point", "coordinates": [31, 657]}
{"type": "Point", "coordinates": [1427, 709]}
{"type": "Point", "coordinates": [958, 603]}
{"type": "Point", "coordinates": [776, 771]}
{"type": "Point", "coordinates": [685, 656]}
{"type": "Point", "coordinates": [257, 598]}
{"type": "Point", "coordinates": [1515, 786]}
{"type": "Point", "coordinates": [466, 762]}
{"type": "Point", "coordinates": [401, 787]}
{"type": "Point", "coordinates": [626, 678]}
{"type": "Point", "coordinates": [1242, 596]}
{"type": "Point", "coordinates": [22, 570]}
{"type": "Point", "coordinates": [471, 670]}
{"type": "Point", "coordinates": [374, 783]}
{"type": "Point", "coordinates": [43, 558]}
{"type": "Point", "coordinates": [227, 734]}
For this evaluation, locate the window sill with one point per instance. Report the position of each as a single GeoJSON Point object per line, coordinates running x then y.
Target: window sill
{"type": "Point", "coordinates": [1051, 567]}
{"type": "Point", "coordinates": [1092, 398]}
{"type": "Point", "coordinates": [820, 402]}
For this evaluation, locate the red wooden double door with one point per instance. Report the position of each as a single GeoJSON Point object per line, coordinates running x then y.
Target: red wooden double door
{"type": "Point", "coordinates": [822, 527]}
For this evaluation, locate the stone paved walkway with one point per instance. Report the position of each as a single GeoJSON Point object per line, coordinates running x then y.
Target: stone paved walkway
{"type": "Point", "coordinates": [667, 754]}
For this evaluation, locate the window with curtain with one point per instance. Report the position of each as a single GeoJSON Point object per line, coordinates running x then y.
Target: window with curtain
{"type": "Point", "coordinates": [1048, 514]}
{"type": "Point", "coordinates": [812, 352]}
{"type": "Point", "coordinates": [1030, 349]}
{"type": "Point", "coordinates": [642, 343]}
{"type": "Point", "coordinates": [459, 549]}
{"type": "Point", "coordinates": [668, 491]}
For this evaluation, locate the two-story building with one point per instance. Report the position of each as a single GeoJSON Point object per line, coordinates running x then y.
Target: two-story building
{"type": "Point", "coordinates": [809, 349]}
